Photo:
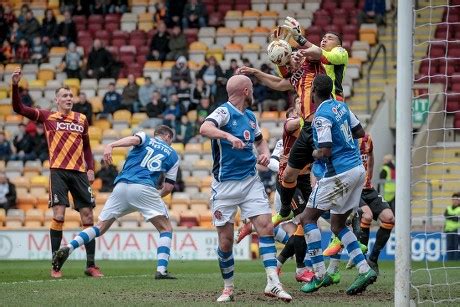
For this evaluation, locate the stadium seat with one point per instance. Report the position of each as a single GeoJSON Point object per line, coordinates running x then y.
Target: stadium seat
{"type": "Point", "coordinates": [102, 123]}
{"type": "Point", "coordinates": [268, 19]}
{"type": "Point", "coordinates": [205, 220]}
{"type": "Point", "coordinates": [197, 51]}
{"type": "Point", "coordinates": [2, 217]}
{"type": "Point", "coordinates": [233, 19]}
{"type": "Point", "coordinates": [26, 201]}
{"type": "Point", "coordinates": [72, 220]}
{"type": "Point", "coordinates": [241, 35]}
{"type": "Point", "coordinates": [233, 51]}
{"type": "Point", "coordinates": [250, 19]}
{"type": "Point", "coordinates": [34, 218]}
{"type": "Point", "coordinates": [21, 182]}
{"type": "Point", "coordinates": [14, 218]}
{"type": "Point", "coordinates": [224, 36]}
{"type": "Point", "coordinates": [33, 166]}
{"type": "Point", "coordinates": [131, 220]}
{"type": "Point", "coordinates": [260, 35]}
{"type": "Point", "coordinates": [192, 185]}
{"type": "Point", "coordinates": [188, 219]}
{"type": "Point", "coordinates": [178, 147]}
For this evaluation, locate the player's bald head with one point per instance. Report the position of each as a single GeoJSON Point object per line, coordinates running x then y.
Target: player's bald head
{"type": "Point", "coordinates": [237, 84]}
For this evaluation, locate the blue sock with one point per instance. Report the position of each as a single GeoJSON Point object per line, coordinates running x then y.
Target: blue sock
{"type": "Point", "coordinates": [281, 235]}
{"type": "Point", "coordinates": [350, 242]}
{"type": "Point", "coordinates": [313, 239]}
{"type": "Point", "coordinates": [163, 251]}
{"type": "Point", "coordinates": [227, 266]}
{"type": "Point", "coordinates": [84, 237]}
{"type": "Point", "coordinates": [267, 251]}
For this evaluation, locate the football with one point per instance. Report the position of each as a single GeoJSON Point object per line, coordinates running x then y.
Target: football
{"type": "Point", "coordinates": [279, 52]}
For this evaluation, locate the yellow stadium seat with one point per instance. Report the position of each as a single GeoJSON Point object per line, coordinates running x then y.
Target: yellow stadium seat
{"type": "Point", "coordinates": [21, 182]}
{"type": "Point", "coordinates": [251, 47]}
{"type": "Point", "coordinates": [205, 219]}
{"type": "Point", "coordinates": [271, 115]}
{"type": "Point", "coordinates": [26, 201]}
{"type": "Point", "coordinates": [104, 124]}
{"type": "Point", "coordinates": [126, 132]}
{"type": "Point", "coordinates": [72, 82]}
{"type": "Point", "coordinates": [178, 147]}
{"type": "Point", "coordinates": [72, 219]}
{"type": "Point", "coordinates": [265, 133]}
{"type": "Point", "coordinates": [233, 47]}
{"type": "Point", "coordinates": [207, 146]}
{"type": "Point", "coordinates": [9, 68]}
{"type": "Point", "coordinates": [39, 181]}
{"type": "Point", "coordinates": [57, 51]}
{"type": "Point", "coordinates": [34, 218]}
{"type": "Point", "coordinates": [13, 119]}
{"type": "Point", "coordinates": [145, 25]}
{"type": "Point", "coordinates": [145, 17]}
{"type": "Point", "coordinates": [193, 148]}
{"type": "Point", "coordinates": [3, 94]}
{"type": "Point", "coordinates": [198, 46]}
{"type": "Point", "coordinates": [2, 217]}
{"type": "Point", "coordinates": [118, 159]}
{"type": "Point", "coordinates": [152, 65]}
{"type": "Point", "coordinates": [121, 82]}
{"type": "Point", "coordinates": [167, 199]}
{"type": "Point", "coordinates": [110, 133]}
{"type": "Point", "coordinates": [192, 182]}
{"type": "Point", "coordinates": [122, 115]}
{"type": "Point", "coordinates": [31, 174]}
{"type": "Point", "coordinates": [37, 84]}
{"type": "Point", "coordinates": [168, 64]}
{"type": "Point", "coordinates": [42, 202]}
{"type": "Point", "coordinates": [233, 14]}
{"type": "Point", "coordinates": [123, 151]}
{"type": "Point", "coordinates": [95, 133]}
{"type": "Point", "coordinates": [138, 118]}
{"type": "Point", "coordinates": [45, 75]}
{"type": "Point", "coordinates": [202, 164]}
{"type": "Point", "coordinates": [96, 103]}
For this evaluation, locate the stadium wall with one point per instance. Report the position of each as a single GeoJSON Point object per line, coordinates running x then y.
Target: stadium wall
{"type": "Point", "coordinates": [186, 245]}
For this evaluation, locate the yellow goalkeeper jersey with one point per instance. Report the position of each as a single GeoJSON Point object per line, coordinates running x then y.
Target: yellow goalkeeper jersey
{"type": "Point", "coordinates": [335, 63]}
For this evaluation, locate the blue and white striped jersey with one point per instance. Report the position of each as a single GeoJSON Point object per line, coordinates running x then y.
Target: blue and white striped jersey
{"type": "Point", "coordinates": [149, 161]}
{"type": "Point", "coordinates": [229, 163]}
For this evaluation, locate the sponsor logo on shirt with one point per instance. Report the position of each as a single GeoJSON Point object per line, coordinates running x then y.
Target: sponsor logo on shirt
{"type": "Point", "coordinates": [69, 127]}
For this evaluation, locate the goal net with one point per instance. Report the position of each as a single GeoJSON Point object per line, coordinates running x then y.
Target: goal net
{"type": "Point", "coordinates": [435, 171]}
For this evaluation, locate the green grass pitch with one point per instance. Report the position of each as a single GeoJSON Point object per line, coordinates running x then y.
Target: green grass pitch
{"type": "Point", "coordinates": [131, 283]}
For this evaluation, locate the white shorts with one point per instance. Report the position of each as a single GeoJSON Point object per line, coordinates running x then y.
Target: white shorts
{"type": "Point", "coordinates": [248, 194]}
{"type": "Point", "coordinates": [339, 193]}
{"type": "Point", "coordinates": [131, 197]}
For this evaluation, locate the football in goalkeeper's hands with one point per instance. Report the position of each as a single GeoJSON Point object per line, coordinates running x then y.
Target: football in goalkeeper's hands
{"type": "Point", "coordinates": [279, 52]}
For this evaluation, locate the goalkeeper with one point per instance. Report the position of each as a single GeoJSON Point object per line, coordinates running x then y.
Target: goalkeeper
{"type": "Point", "coordinates": [334, 57]}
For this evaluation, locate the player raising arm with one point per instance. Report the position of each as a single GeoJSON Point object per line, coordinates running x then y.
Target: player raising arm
{"type": "Point", "coordinates": [149, 163]}
{"type": "Point", "coordinates": [234, 132]}
{"type": "Point", "coordinates": [334, 57]}
{"type": "Point", "coordinates": [71, 165]}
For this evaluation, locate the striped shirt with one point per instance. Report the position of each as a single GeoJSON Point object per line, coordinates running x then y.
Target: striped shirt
{"type": "Point", "coordinates": [366, 146]}
{"type": "Point", "coordinates": [67, 136]}
{"type": "Point", "coordinates": [302, 80]}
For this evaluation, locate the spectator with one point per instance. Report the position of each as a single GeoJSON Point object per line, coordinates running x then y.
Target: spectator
{"type": "Point", "coordinates": [25, 97]}
{"type": "Point", "coordinates": [6, 52]}
{"type": "Point", "coordinates": [374, 12]}
{"type": "Point", "coordinates": [177, 44]}
{"type": "Point", "coordinates": [7, 193]}
{"type": "Point", "coordinates": [6, 149]}
{"type": "Point", "coordinates": [15, 34]}
{"type": "Point", "coordinates": [210, 72]}
{"type": "Point", "coordinates": [219, 96]}
{"type": "Point", "coordinates": [107, 175]}
{"type": "Point", "coordinates": [69, 5]}
{"type": "Point", "coordinates": [118, 6]}
{"type": "Point", "coordinates": [100, 61]}
{"type": "Point", "coordinates": [22, 53]}
{"type": "Point", "coordinates": [130, 97]}
{"type": "Point", "coordinates": [175, 10]}
{"type": "Point", "coordinates": [22, 15]}
{"type": "Point", "coordinates": [184, 95]}
{"type": "Point", "coordinates": [4, 27]}
{"type": "Point", "coordinates": [9, 15]}
{"type": "Point", "coordinates": [232, 69]}
{"type": "Point", "coordinates": [98, 7]}
{"type": "Point", "coordinates": [49, 28]}
{"type": "Point", "coordinates": [159, 44]}
{"type": "Point", "coordinates": [155, 109]}
{"type": "Point", "coordinates": [200, 90]}
{"type": "Point", "coordinates": [84, 107]}
{"type": "Point", "coordinates": [39, 51]}
{"type": "Point", "coordinates": [66, 30]}
{"type": "Point", "coordinates": [72, 61]}
{"type": "Point", "coordinates": [82, 8]}
{"type": "Point", "coordinates": [173, 112]}
{"type": "Point", "coordinates": [246, 62]}
{"type": "Point", "coordinates": [160, 14]}
{"type": "Point", "coordinates": [203, 110]}
{"type": "Point", "coordinates": [111, 101]}
{"type": "Point", "coordinates": [180, 71]}
{"type": "Point", "coordinates": [40, 144]}
{"type": "Point", "coordinates": [451, 228]}
{"type": "Point", "coordinates": [194, 15]}
{"type": "Point", "coordinates": [24, 145]}
{"type": "Point", "coordinates": [167, 89]}
{"type": "Point", "coordinates": [185, 130]}
{"type": "Point", "coordinates": [30, 27]}
{"type": "Point", "coordinates": [145, 92]}
{"type": "Point", "coordinates": [388, 175]}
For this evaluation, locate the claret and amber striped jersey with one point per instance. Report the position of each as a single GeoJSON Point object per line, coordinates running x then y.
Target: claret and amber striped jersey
{"type": "Point", "coordinates": [302, 79]}
{"type": "Point", "coordinates": [366, 147]}
{"type": "Point", "coordinates": [67, 136]}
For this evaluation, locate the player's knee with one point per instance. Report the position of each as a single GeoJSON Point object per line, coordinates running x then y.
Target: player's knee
{"type": "Point", "coordinates": [59, 217]}
{"type": "Point", "coordinates": [366, 217]}
{"type": "Point", "coordinates": [226, 244]}
{"type": "Point", "coordinates": [387, 217]}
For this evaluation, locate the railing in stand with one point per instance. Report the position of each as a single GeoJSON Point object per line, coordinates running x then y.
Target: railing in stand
{"type": "Point", "coordinates": [380, 47]}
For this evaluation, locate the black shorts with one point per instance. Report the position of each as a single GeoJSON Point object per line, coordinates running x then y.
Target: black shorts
{"type": "Point", "coordinates": [64, 181]}
{"type": "Point", "coordinates": [301, 194]}
{"type": "Point", "coordinates": [371, 198]}
{"type": "Point", "coordinates": [302, 150]}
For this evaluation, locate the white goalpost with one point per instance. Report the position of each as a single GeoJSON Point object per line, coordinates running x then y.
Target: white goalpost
{"type": "Point", "coordinates": [403, 152]}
